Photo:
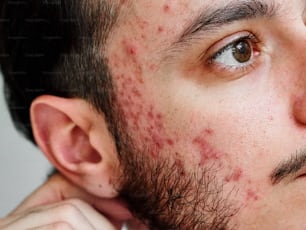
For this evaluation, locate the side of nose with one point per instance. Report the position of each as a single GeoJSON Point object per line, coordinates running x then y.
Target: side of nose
{"type": "Point", "coordinates": [299, 109]}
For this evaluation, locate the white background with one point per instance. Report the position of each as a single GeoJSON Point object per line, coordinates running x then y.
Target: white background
{"type": "Point", "coordinates": [22, 167]}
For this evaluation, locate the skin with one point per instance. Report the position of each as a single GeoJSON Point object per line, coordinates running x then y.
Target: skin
{"type": "Point", "coordinates": [242, 122]}
{"type": "Point", "coordinates": [237, 121]}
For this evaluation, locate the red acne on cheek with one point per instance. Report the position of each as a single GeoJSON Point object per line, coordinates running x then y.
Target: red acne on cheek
{"type": "Point", "coordinates": [129, 47]}
{"type": "Point", "coordinates": [156, 130]}
{"type": "Point", "coordinates": [131, 50]}
{"type": "Point", "coordinates": [170, 142]}
{"type": "Point", "coordinates": [142, 24]}
{"type": "Point", "coordinates": [207, 152]}
{"type": "Point", "coordinates": [160, 29]}
{"type": "Point", "coordinates": [209, 132]}
{"type": "Point", "coordinates": [166, 8]}
{"type": "Point", "coordinates": [235, 176]}
{"type": "Point", "coordinates": [153, 67]}
{"type": "Point", "coordinates": [180, 167]}
{"type": "Point", "coordinates": [251, 195]}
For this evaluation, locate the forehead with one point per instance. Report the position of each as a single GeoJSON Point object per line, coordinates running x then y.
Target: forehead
{"type": "Point", "coordinates": [161, 23]}
{"type": "Point", "coordinates": [145, 15]}
{"type": "Point", "coordinates": [144, 26]}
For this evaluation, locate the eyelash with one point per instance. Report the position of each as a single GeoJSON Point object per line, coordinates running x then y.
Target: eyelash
{"type": "Point", "coordinates": [244, 68]}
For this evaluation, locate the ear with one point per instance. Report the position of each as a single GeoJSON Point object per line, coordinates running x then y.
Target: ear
{"type": "Point", "coordinates": [76, 140]}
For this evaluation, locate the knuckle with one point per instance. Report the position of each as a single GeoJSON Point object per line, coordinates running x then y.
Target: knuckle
{"type": "Point", "coordinates": [76, 202]}
{"type": "Point", "coordinates": [68, 210]}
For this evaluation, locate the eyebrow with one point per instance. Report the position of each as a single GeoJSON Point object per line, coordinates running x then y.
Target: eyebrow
{"type": "Point", "coordinates": [289, 168]}
{"type": "Point", "coordinates": [211, 19]}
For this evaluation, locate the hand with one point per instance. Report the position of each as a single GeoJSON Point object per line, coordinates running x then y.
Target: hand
{"type": "Point", "coordinates": [58, 204]}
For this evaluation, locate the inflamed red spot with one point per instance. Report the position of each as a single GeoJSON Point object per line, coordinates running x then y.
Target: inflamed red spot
{"type": "Point", "coordinates": [129, 47]}
{"type": "Point", "coordinates": [143, 24]}
{"type": "Point", "coordinates": [251, 195]}
{"type": "Point", "coordinates": [166, 8]}
{"type": "Point", "coordinates": [160, 29]}
{"type": "Point", "coordinates": [235, 176]}
{"type": "Point", "coordinates": [153, 67]}
{"type": "Point", "coordinates": [209, 132]}
{"type": "Point", "coordinates": [207, 152]}
{"type": "Point", "coordinates": [170, 142]}
{"type": "Point", "coordinates": [180, 167]}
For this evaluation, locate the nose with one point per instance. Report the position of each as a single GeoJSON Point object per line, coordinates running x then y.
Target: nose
{"type": "Point", "coordinates": [299, 86]}
{"type": "Point", "coordinates": [299, 109]}
{"type": "Point", "coordinates": [299, 105]}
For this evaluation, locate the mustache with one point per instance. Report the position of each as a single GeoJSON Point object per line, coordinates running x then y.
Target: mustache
{"type": "Point", "coordinates": [290, 169]}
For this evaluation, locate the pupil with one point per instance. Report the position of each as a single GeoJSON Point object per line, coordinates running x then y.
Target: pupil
{"type": "Point", "coordinates": [242, 51]}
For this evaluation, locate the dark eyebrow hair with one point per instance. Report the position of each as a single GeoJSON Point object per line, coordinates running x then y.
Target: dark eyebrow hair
{"type": "Point", "coordinates": [289, 168]}
{"type": "Point", "coordinates": [212, 18]}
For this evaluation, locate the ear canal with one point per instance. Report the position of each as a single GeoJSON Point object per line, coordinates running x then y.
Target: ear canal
{"type": "Point", "coordinates": [84, 152]}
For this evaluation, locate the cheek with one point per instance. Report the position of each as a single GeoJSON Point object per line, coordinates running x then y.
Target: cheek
{"type": "Point", "coordinates": [144, 121]}
{"type": "Point", "coordinates": [191, 147]}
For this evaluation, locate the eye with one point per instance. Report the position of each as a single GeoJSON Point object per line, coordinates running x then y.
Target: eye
{"type": "Point", "coordinates": [236, 55]}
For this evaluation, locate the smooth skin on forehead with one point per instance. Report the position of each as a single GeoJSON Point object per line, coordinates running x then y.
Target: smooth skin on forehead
{"type": "Point", "coordinates": [186, 97]}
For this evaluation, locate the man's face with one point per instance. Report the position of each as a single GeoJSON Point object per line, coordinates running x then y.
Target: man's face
{"type": "Point", "coordinates": [219, 87]}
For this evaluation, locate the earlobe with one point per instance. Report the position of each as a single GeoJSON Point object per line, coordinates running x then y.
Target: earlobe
{"type": "Point", "coordinates": [76, 141]}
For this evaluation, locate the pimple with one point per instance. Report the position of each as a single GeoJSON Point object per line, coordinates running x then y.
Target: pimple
{"type": "Point", "coordinates": [160, 29]}
{"type": "Point", "coordinates": [251, 195]}
{"type": "Point", "coordinates": [166, 8]}
{"type": "Point", "coordinates": [136, 92]}
{"type": "Point", "coordinates": [170, 142]}
{"type": "Point", "coordinates": [153, 67]}
{"type": "Point", "coordinates": [209, 131]}
{"type": "Point", "coordinates": [129, 47]}
{"type": "Point", "coordinates": [150, 115]}
{"type": "Point", "coordinates": [207, 152]}
{"type": "Point", "coordinates": [235, 176]}
{"type": "Point", "coordinates": [180, 167]}
{"type": "Point", "coordinates": [143, 24]}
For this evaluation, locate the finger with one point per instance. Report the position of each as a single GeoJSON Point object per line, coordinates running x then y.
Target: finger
{"type": "Point", "coordinates": [66, 214]}
{"type": "Point", "coordinates": [59, 225]}
{"type": "Point", "coordinates": [58, 189]}
{"type": "Point", "coordinates": [74, 213]}
{"type": "Point", "coordinates": [52, 191]}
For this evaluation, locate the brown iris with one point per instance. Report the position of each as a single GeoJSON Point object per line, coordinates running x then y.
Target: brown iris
{"type": "Point", "coordinates": [242, 51]}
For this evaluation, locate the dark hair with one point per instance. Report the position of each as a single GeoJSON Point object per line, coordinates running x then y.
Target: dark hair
{"type": "Point", "coordinates": [55, 47]}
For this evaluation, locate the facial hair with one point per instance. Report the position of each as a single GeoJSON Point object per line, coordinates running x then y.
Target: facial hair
{"type": "Point", "coordinates": [163, 196]}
